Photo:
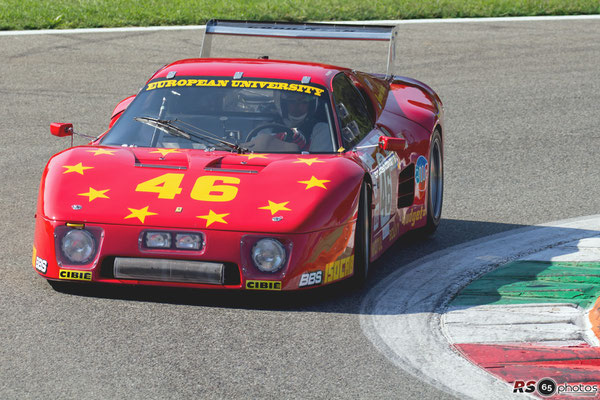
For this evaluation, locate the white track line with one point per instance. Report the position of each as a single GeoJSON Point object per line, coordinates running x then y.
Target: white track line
{"type": "Point", "coordinates": [401, 315]}
{"type": "Point", "coordinates": [102, 30]}
{"type": "Point", "coordinates": [376, 22]}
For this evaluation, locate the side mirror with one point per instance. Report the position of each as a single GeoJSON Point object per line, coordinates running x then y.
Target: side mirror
{"type": "Point", "coordinates": [61, 129]}
{"type": "Point", "coordinates": [392, 144]}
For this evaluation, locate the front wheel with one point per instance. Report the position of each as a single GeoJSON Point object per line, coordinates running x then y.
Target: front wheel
{"type": "Point", "coordinates": [435, 184]}
{"type": "Point", "coordinates": [362, 239]}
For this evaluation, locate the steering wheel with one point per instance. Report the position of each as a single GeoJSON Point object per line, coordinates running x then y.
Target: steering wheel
{"type": "Point", "coordinates": [289, 133]}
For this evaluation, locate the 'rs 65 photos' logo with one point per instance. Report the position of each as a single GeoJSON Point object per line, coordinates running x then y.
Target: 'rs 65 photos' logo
{"type": "Point", "coordinates": [547, 387]}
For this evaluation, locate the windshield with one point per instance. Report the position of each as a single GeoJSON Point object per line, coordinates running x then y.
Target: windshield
{"type": "Point", "coordinates": [259, 115]}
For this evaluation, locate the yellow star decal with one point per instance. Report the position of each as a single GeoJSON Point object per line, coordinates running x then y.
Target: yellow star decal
{"type": "Point", "coordinates": [274, 207]}
{"type": "Point", "coordinates": [314, 182]}
{"type": "Point", "coordinates": [79, 168]}
{"type": "Point", "coordinates": [98, 152]}
{"type": "Point", "coordinates": [164, 152]}
{"type": "Point", "coordinates": [213, 217]}
{"type": "Point", "coordinates": [140, 214]}
{"type": "Point", "coordinates": [95, 194]}
{"type": "Point", "coordinates": [308, 161]}
{"type": "Point", "coordinates": [251, 156]}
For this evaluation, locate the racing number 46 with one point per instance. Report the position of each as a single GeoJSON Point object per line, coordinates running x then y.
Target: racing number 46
{"type": "Point", "coordinates": [207, 187]}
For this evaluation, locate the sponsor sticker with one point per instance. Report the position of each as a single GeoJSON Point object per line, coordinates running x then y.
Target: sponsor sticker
{"type": "Point", "coordinates": [263, 285]}
{"type": "Point", "coordinates": [38, 263]}
{"type": "Point", "coordinates": [311, 279]}
{"type": "Point", "coordinates": [414, 215]}
{"type": "Point", "coordinates": [41, 265]}
{"type": "Point", "coordinates": [73, 275]}
{"type": "Point", "coordinates": [339, 269]}
{"type": "Point", "coordinates": [421, 174]}
{"type": "Point", "coordinates": [254, 84]}
{"type": "Point", "coordinates": [376, 245]}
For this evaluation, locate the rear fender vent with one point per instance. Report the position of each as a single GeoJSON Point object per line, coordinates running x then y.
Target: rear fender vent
{"type": "Point", "coordinates": [406, 186]}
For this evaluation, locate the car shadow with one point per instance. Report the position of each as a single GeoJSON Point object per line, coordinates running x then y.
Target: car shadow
{"type": "Point", "coordinates": [336, 298]}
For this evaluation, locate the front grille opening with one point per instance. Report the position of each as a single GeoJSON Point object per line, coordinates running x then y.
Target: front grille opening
{"type": "Point", "coordinates": [231, 271]}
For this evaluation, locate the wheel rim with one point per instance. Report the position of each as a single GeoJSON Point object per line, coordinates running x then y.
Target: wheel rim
{"type": "Point", "coordinates": [436, 181]}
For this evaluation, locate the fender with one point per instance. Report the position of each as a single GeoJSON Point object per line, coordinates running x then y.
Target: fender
{"type": "Point", "coordinates": [122, 106]}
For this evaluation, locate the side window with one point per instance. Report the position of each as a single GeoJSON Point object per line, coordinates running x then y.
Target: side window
{"type": "Point", "coordinates": [355, 121]}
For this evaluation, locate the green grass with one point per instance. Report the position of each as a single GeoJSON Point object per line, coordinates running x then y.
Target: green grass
{"type": "Point", "coordinates": [44, 14]}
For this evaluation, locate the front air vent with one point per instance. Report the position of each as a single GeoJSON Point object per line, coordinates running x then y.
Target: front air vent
{"type": "Point", "coordinates": [239, 167]}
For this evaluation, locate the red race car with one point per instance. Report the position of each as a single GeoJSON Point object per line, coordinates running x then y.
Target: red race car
{"type": "Point", "coordinates": [249, 174]}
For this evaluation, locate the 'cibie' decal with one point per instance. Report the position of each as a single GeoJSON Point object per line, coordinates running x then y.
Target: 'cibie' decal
{"type": "Point", "coordinates": [75, 275]}
{"type": "Point", "coordinates": [339, 269]}
{"type": "Point", "coordinates": [292, 87]}
{"type": "Point", "coordinates": [207, 188]}
{"type": "Point", "coordinates": [263, 285]}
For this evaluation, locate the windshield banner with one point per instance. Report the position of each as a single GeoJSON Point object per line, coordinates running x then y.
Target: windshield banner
{"type": "Point", "coordinates": [294, 87]}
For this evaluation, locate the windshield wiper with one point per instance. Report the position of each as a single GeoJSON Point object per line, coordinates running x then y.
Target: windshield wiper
{"type": "Point", "coordinates": [168, 126]}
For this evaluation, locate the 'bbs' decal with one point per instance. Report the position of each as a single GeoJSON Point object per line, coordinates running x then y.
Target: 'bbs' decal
{"type": "Point", "coordinates": [41, 265]}
{"type": "Point", "coordinates": [311, 279]}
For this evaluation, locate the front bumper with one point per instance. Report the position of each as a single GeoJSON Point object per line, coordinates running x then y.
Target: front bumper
{"type": "Point", "coordinates": [313, 259]}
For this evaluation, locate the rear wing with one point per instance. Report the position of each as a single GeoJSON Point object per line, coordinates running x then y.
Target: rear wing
{"type": "Point", "coordinates": [292, 30]}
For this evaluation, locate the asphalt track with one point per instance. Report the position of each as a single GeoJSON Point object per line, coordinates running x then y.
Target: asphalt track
{"type": "Point", "coordinates": [521, 139]}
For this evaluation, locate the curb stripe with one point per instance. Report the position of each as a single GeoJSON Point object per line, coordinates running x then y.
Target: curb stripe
{"type": "Point", "coordinates": [531, 362]}
{"type": "Point", "coordinates": [401, 315]}
{"type": "Point", "coordinates": [594, 317]}
{"type": "Point", "coordinates": [535, 282]}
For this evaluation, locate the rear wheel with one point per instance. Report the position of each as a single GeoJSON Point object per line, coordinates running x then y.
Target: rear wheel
{"type": "Point", "coordinates": [362, 239]}
{"type": "Point", "coordinates": [435, 184]}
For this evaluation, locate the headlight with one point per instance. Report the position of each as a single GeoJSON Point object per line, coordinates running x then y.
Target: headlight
{"type": "Point", "coordinates": [188, 241]}
{"type": "Point", "coordinates": [78, 246]}
{"type": "Point", "coordinates": [158, 240]}
{"type": "Point", "coordinates": [164, 240]}
{"type": "Point", "coordinates": [268, 255]}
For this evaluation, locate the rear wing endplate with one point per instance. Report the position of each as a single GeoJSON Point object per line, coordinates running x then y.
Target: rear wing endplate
{"type": "Point", "coordinates": [292, 30]}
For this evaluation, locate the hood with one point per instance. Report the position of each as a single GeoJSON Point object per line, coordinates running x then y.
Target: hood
{"type": "Point", "coordinates": [194, 189]}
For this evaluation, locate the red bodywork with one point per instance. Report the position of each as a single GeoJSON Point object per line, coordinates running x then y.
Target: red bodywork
{"type": "Point", "coordinates": [118, 192]}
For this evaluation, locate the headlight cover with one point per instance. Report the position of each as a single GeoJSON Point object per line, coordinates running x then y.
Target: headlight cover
{"type": "Point", "coordinates": [268, 255]}
{"type": "Point", "coordinates": [158, 240]}
{"type": "Point", "coordinates": [78, 246]}
{"type": "Point", "coordinates": [188, 241]}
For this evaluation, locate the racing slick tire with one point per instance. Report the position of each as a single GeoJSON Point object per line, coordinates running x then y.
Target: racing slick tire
{"type": "Point", "coordinates": [362, 240]}
{"type": "Point", "coordinates": [435, 184]}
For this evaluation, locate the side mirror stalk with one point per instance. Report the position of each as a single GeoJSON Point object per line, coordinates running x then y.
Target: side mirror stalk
{"type": "Point", "coordinates": [62, 129]}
